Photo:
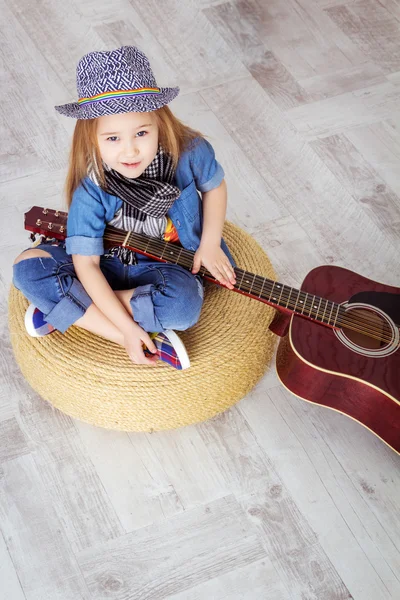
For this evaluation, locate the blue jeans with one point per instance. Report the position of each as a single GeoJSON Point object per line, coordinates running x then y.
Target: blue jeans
{"type": "Point", "coordinates": [165, 296]}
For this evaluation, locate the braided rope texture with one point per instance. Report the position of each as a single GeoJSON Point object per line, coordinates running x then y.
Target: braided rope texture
{"type": "Point", "coordinates": [93, 380]}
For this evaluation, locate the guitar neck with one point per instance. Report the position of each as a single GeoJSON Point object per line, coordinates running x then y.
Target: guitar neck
{"type": "Point", "coordinates": [260, 288]}
{"type": "Point", "coordinates": [53, 223]}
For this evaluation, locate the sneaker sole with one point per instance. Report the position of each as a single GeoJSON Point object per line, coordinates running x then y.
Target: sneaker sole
{"type": "Point", "coordinates": [28, 321]}
{"type": "Point", "coordinates": [179, 348]}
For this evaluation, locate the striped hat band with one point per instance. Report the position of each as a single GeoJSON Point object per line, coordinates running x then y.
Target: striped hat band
{"type": "Point", "coordinates": [119, 94]}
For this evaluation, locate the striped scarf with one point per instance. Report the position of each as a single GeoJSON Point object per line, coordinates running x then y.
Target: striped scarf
{"type": "Point", "coordinates": [145, 201]}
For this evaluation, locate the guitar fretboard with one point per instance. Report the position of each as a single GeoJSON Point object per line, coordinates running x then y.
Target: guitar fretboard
{"type": "Point", "coordinates": [272, 292]}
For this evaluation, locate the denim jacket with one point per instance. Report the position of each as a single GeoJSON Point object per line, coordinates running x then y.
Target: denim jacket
{"type": "Point", "coordinates": [92, 208]}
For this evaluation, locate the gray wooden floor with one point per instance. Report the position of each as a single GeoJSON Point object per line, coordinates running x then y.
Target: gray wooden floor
{"type": "Point", "coordinates": [277, 498]}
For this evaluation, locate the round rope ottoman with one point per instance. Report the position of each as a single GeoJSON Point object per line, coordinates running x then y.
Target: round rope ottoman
{"type": "Point", "coordinates": [93, 380]}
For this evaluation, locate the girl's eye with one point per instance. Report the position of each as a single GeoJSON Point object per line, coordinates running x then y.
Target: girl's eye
{"type": "Point", "coordinates": [112, 138]}
{"type": "Point", "coordinates": [141, 133]}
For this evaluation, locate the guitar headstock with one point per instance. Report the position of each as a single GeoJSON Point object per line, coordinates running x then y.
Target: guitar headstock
{"type": "Point", "coordinates": [48, 222]}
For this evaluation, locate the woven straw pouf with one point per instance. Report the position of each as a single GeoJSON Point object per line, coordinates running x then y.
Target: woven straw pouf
{"type": "Point", "coordinates": [93, 380]}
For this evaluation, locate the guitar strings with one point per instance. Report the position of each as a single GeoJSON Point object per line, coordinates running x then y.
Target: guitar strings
{"type": "Point", "coordinates": [185, 257]}
{"type": "Point", "coordinates": [260, 285]}
{"type": "Point", "coordinates": [187, 261]}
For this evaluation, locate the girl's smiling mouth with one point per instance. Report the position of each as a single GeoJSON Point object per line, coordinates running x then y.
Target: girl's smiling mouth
{"type": "Point", "coordinates": [131, 165]}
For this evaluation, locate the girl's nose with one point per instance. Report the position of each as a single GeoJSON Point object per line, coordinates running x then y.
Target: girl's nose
{"type": "Point", "coordinates": [131, 149]}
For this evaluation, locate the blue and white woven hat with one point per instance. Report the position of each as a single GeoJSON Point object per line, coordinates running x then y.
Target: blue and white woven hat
{"type": "Point", "coordinates": [115, 82]}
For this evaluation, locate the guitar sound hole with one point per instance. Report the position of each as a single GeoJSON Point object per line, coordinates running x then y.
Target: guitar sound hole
{"type": "Point", "coordinates": [373, 331]}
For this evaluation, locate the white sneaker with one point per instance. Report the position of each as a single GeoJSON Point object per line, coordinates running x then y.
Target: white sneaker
{"type": "Point", "coordinates": [170, 349]}
{"type": "Point", "coordinates": [35, 323]}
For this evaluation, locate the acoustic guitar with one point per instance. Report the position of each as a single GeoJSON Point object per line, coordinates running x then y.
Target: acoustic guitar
{"type": "Point", "coordinates": [340, 345]}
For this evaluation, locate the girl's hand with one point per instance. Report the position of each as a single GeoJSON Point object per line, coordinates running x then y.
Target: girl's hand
{"type": "Point", "coordinates": [214, 259]}
{"type": "Point", "coordinates": [134, 337]}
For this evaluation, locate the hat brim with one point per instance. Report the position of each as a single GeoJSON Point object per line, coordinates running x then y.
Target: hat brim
{"type": "Point", "coordinates": [113, 106]}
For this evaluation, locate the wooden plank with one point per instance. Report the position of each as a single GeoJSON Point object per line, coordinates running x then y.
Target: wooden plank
{"type": "Point", "coordinates": [13, 161]}
{"type": "Point", "coordinates": [372, 466]}
{"type": "Point", "coordinates": [185, 551]}
{"type": "Point", "coordinates": [292, 545]}
{"type": "Point", "coordinates": [45, 189]}
{"type": "Point", "coordinates": [277, 81]}
{"type": "Point", "coordinates": [12, 441]}
{"type": "Point", "coordinates": [7, 407]}
{"type": "Point", "coordinates": [139, 489]}
{"type": "Point", "coordinates": [196, 482]}
{"type": "Point", "coordinates": [10, 585]}
{"type": "Point", "coordinates": [330, 3]}
{"type": "Point", "coordinates": [97, 13]}
{"type": "Point", "coordinates": [258, 580]}
{"type": "Point", "coordinates": [302, 37]}
{"type": "Point", "coordinates": [362, 181]}
{"type": "Point", "coordinates": [233, 21]}
{"type": "Point", "coordinates": [341, 113]}
{"type": "Point", "coordinates": [379, 144]}
{"type": "Point", "coordinates": [18, 157]}
{"type": "Point", "coordinates": [42, 557]}
{"type": "Point", "coordinates": [12, 167]}
{"type": "Point", "coordinates": [8, 254]}
{"type": "Point", "coordinates": [206, 3]}
{"type": "Point", "coordinates": [68, 473]}
{"type": "Point", "coordinates": [372, 28]}
{"type": "Point", "coordinates": [342, 81]}
{"type": "Point", "coordinates": [393, 6]}
{"type": "Point", "coordinates": [329, 34]}
{"type": "Point", "coordinates": [12, 384]}
{"type": "Point", "coordinates": [299, 449]}
{"type": "Point", "coordinates": [394, 77]}
{"type": "Point", "coordinates": [32, 88]}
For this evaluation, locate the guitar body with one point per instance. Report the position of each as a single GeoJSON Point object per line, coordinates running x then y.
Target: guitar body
{"type": "Point", "coordinates": [316, 366]}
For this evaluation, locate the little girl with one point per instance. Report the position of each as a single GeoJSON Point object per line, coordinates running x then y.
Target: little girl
{"type": "Point", "coordinates": [135, 166]}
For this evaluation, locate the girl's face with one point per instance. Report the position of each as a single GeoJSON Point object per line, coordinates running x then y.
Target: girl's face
{"type": "Point", "coordinates": [128, 142]}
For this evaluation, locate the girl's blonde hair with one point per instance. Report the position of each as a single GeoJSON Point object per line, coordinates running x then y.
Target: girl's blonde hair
{"type": "Point", "coordinates": [174, 137]}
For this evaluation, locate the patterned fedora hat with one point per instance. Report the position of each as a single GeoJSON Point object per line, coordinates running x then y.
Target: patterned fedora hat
{"type": "Point", "coordinates": [115, 82]}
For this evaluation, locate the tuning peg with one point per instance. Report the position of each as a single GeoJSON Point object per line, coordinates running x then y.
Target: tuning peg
{"type": "Point", "coordinates": [57, 213]}
{"type": "Point", "coordinates": [38, 222]}
{"type": "Point", "coordinates": [62, 228]}
{"type": "Point", "coordinates": [50, 226]}
{"type": "Point", "coordinates": [45, 211]}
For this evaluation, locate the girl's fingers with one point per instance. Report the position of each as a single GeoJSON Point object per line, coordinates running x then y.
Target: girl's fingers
{"type": "Point", "coordinates": [196, 266]}
{"type": "Point", "coordinates": [140, 357]}
{"type": "Point", "coordinates": [146, 339]}
{"type": "Point", "coordinates": [143, 360]}
{"type": "Point", "coordinates": [150, 361]}
{"type": "Point", "coordinates": [230, 273]}
{"type": "Point", "coordinates": [215, 272]}
{"type": "Point", "coordinates": [226, 275]}
{"type": "Point", "coordinates": [222, 277]}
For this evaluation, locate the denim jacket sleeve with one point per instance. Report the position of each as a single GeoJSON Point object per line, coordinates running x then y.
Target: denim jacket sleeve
{"type": "Point", "coordinates": [89, 212]}
{"type": "Point", "coordinates": [197, 169]}
{"type": "Point", "coordinates": [207, 172]}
